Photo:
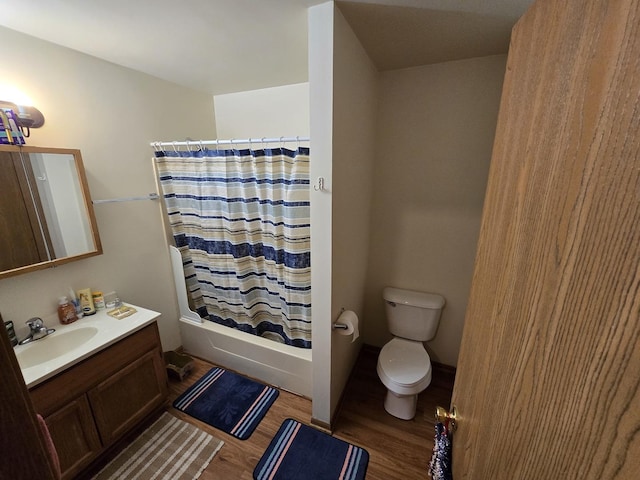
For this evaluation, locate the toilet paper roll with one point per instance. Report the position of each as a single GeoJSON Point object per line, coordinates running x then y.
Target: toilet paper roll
{"type": "Point", "coordinates": [350, 319]}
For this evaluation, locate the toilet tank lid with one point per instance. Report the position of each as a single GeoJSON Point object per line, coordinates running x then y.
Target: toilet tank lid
{"type": "Point", "coordinates": [413, 298]}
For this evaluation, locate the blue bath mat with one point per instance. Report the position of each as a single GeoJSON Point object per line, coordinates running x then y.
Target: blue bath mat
{"type": "Point", "coordinates": [227, 401]}
{"type": "Point", "coordinates": [303, 453]}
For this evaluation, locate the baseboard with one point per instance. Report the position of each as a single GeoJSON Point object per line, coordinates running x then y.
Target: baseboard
{"type": "Point", "coordinates": [322, 425]}
{"type": "Point", "coordinates": [443, 368]}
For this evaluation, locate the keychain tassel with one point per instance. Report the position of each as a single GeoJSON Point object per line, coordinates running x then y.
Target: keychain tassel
{"type": "Point", "coordinates": [440, 465]}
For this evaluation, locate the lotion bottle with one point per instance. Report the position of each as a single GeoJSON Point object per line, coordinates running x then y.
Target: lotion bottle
{"type": "Point", "coordinates": [86, 301]}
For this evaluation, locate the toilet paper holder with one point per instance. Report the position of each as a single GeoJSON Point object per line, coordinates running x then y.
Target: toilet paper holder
{"type": "Point", "coordinates": [340, 326]}
{"type": "Point", "coordinates": [346, 324]}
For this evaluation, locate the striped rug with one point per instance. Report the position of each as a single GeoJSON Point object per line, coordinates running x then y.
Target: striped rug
{"type": "Point", "coordinates": [227, 401]}
{"type": "Point", "coordinates": [170, 449]}
{"type": "Point", "coordinates": [304, 453]}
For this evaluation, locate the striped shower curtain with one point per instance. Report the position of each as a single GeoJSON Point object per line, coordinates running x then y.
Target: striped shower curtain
{"type": "Point", "coordinates": [241, 221]}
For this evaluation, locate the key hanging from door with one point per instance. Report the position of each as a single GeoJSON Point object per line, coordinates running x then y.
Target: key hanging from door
{"type": "Point", "coordinates": [440, 465]}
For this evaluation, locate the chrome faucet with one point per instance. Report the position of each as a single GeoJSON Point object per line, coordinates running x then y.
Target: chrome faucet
{"type": "Point", "coordinates": [38, 331]}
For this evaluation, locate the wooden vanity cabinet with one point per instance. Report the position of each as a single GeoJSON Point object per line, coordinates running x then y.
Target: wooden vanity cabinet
{"type": "Point", "coordinates": [91, 405]}
{"type": "Point", "coordinates": [124, 399]}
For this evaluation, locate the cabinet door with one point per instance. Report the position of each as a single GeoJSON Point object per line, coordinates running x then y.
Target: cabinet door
{"type": "Point", "coordinates": [74, 436]}
{"type": "Point", "coordinates": [25, 239]}
{"type": "Point", "coordinates": [128, 396]}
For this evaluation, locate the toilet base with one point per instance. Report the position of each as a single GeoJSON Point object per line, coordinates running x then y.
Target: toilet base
{"type": "Point", "coordinates": [403, 407]}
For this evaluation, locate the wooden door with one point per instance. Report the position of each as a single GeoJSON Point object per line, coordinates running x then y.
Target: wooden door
{"type": "Point", "coordinates": [548, 382]}
{"type": "Point", "coordinates": [21, 439]}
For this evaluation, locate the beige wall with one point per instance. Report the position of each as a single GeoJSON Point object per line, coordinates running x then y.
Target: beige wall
{"type": "Point", "coordinates": [111, 114]}
{"type": "Point", "coordinates": [321, 127]}
{"type": "Point", "coordinates": [269, 112]}
{"type": "Point", "coordinates": [405, 157]}
{"type": "Point", "coordinates": [355, 101]}
{"type": "Point", "coordinates": [435, 133]}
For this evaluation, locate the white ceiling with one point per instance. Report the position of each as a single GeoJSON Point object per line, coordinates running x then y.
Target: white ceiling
{"type": "Point", "coordinates": [223, 46]}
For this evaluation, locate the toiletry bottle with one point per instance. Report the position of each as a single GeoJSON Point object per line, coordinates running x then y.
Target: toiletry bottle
{"type": "Point", "coordinates": [86, 301]}
{"type": "Point", "coordinates": [66, 311]}
{"type": "Point", "coordinates": [10, 331]}
{"type": "Point", "coordinates": [73, 298]}
{"type": "Point", "coordinates": [98, 300]}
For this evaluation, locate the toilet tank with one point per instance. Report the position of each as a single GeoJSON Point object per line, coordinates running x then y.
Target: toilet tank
{"type": "Point", "coordinates": [412, 315]}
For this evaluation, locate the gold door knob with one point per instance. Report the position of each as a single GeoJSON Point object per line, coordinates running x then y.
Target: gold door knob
{"type": "Point", "coordinates": [446, 417]}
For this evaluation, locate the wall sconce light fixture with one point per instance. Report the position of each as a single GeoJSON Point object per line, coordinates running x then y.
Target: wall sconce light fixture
{"type": "Point", "coordinates": [27, 117]}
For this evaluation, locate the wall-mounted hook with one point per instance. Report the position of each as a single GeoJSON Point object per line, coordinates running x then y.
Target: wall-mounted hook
{"type": "Point", "coordinates": [319, 185]}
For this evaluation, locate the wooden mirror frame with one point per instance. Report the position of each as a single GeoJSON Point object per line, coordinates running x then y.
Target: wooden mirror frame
{"type": "Point", "coordinates": [86, 202]}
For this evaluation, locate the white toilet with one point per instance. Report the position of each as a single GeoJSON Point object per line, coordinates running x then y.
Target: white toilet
{"type": "Point", "coordinates": [404, 366]}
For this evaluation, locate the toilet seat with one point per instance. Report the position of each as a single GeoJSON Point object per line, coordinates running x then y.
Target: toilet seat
{"type": "Point", "coordinates": [404, 366]}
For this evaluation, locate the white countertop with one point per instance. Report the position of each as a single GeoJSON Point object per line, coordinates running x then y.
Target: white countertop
{"type": "Point", "coordinates": [110, 330]}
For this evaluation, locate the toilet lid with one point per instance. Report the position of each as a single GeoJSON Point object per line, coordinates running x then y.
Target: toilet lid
{"type": "Point", "coordinates": [404, 361]}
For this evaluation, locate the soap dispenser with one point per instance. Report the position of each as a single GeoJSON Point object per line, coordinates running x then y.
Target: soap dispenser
{"type": "Point", "coordinates": [66, 311]}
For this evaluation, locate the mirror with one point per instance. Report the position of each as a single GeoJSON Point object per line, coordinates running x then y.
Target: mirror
{"type": "Point", "coordinates": [46, 214]}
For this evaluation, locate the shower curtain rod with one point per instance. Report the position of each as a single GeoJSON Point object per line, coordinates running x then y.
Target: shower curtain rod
{"type": "Point", "coordinates": [231, 141]}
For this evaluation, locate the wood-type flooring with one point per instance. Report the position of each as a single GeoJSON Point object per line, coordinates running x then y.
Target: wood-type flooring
{"type": "Point", "coordinates": [398, 449]}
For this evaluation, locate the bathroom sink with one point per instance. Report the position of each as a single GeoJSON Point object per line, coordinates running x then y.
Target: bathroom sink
{"type": "Point", "coordinates": [53, 346]}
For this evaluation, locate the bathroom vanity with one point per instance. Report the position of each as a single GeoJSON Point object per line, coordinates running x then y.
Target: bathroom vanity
{"type": "Point", "coordinates": [93, 395]}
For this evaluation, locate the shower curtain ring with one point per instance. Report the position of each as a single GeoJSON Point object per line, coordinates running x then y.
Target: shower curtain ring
{"type": "Point", "coordinates": [174, 147]}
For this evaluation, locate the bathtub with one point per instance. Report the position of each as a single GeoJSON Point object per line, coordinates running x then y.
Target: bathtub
{"type": "Point", "coordinates": [277, 364]}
